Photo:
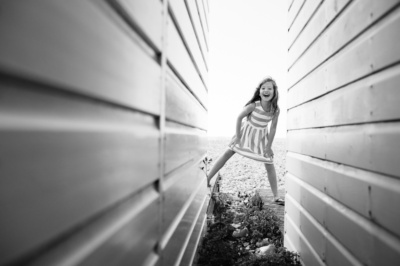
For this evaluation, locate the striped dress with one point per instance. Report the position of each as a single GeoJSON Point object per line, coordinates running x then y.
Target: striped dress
{"type": "Point", "coordinates": [254, 135]}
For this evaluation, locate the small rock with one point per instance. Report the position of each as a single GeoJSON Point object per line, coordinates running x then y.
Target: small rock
{"type": "Point", "coordinates": [240, 233]}
{"type": "Point", "coordinates": [266, 250]}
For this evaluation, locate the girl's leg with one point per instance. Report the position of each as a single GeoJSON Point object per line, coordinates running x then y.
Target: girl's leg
{"type": "Point", "coordinates": [219, 164]}
{"type": "Point", "coordinates": [272, 179]}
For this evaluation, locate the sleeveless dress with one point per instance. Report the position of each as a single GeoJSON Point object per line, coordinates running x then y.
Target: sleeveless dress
{"type": "Point", "coordinates": [254, 135]}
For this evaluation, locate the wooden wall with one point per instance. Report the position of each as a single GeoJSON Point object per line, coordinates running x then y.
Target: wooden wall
{"type": "Point", "coordinates": [343, 159]}
{"type": "Point", "coordinates": [103, 119]}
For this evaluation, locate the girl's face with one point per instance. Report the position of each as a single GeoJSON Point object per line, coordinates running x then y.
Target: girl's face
{"type": "Point", "coordinates": [267, 91]}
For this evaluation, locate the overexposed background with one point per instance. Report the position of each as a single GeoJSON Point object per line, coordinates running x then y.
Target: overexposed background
{"type": "Point", "coordinates": [247, 43]}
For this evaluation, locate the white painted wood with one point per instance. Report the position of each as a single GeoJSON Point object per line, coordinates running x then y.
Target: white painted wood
{"type": "Point", "coordinates": [372, 99]}
{"type": "Point", "coordinates": [148, 15]}
{"type": "Point", "coordinates": [373, 147]}
{"type": "Point", "coordinates": [349, 25]}
{"type": "Point", "coordinates": [372, 51]}
{"type": "Point", "coordinates": [181, 62]}
{"type": "Point", "coordinates": [56, 43]}
{"type": "Point", "coordinates": [328, 12]}
{"type": "Point", "coordinates": [357, 234]}
{"type": "Point", "coordinates": [371, 195]}
{"type": "Point", "coordinates": [304, 17]}
{"type": "Point", "coordinates": [181, 13]}
{"type": "Point", "coordinates": [294, 11]}
{"type": "Point", "coordinates": [195, 17]}
{"type": "Point", "coordinates": [182, 106]}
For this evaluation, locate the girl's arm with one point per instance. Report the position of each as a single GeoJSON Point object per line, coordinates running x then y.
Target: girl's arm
{"type": "Point", "coordinates": [246, 110]}
{"type": "Point", "coordinates": [271, 134]}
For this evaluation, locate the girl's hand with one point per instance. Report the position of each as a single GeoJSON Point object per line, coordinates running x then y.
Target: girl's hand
{"type": "Point", "coordinates": [268, 152]}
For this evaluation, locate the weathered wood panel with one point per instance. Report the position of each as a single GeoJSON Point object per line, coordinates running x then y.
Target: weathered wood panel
{"type": "Point", "coordinates": [304, 16]}
{"type": "Point", "coordinates": [52, 42]}
{"type": "Point", "coordinates": [294, 11]}
{"type": "Point", "coordinates": [181, 104]}
{"type": "Point", "coordinates": [343, 180]}
{"type": "Point", "coordinates": [347, 26]}
{"type": "Point", "coordinates": [103, 119]}
{"type": "Point", "coordinates": [182, 64]}
{"type": "Point", "coordinates": [358, 146]}
{"type": "Point", "coordinates": [192, 9]}
{"type": "Point", "coordinates": [327, 12]}
{"type": "Point", "coordinates": [371, 195]}
{"type": "Point", "coordinates": [184, 22]}
{"type": "Point", "coordinates": [47, 142]}
{"type": "Point", "coordinates": [372, 99]}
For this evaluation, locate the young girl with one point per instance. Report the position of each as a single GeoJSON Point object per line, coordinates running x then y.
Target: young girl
{"type": "Point", "coordinates": [252, 139]}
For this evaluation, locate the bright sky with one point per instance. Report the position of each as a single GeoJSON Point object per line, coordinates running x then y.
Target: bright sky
{"type": "Point", "coordinates": [247, 43]}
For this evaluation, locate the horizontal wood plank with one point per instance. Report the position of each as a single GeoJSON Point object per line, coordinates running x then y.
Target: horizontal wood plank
{"type": "Point", "coordinates": [197, 234]}
{"type": "Point", "coordinates": [369, 100]}
{"type": "Point", "coordinates": [183, 65]}
{"type": "Point", "coordinates": [304, 16]}
{"type": "Point", "coordinates": [293, 12]}
{"type": "Point", "coordinates": [372, 51]}
{"type": "Point", "coordinates": [185, 24]}
{"type": "Point", "coordinates": [123, 234]}
{"type": "Point", "coordinates": [371, 195]}
{"type": "Point", "coordinates": [183, 145]}
{"type": "Point", "coordinates": [328, 12]}
{"type": "Point", "coordinates": [325, 245]}
{"type": "Point", "coordinates": [193, 12]}
{"type": "Point", "coordinates": [175, 249]}
{"type": "Point", "coordinates": [356, 233]}
{"type": "Point", "coordinates": [56, 43]}
{"type": "Point", "coordinates": [359, 146]}
{"type": "Point", "coordinates": [182, 106]}
{"type": "Point", "coordinates": [180, 190]}
{"type": "Point", "coordinates": [300, 243]}
{"type": "Point", "coordinates": [348, 26]}
{"type": "Point", "coordinates": [148, 17]}
{"type": "Point", "coordinates": [75, 157]}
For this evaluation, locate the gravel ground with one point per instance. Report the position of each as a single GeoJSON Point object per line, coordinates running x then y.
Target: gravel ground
{"type": "Point", "coordinates": [244, 175]}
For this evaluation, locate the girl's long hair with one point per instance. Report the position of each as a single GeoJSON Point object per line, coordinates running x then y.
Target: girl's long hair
{"type": "Point", "coordinates": [274, 100]}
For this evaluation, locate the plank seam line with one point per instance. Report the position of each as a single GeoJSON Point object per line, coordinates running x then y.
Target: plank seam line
{"type": "Point", "coordinates": [184, 124]}
{"type": "Point", "coordinates": [201, 24]}
{"type": "Point", "coordinates": [297, 14]}
{"type": "Point", "coordinates": [177, 75]}
{"type": "Point", "coordinates": [175, 222]}
{"type": "Point", "coordinates": [361, 175]}
{"type": "Point", "coordinates": [196, 34]}
{"type": "Point", "coordinates": [290, 6]}
{"type": "Point", "coordinates": [346, 44]}
{"type": "Point", "coordinates": [120, 10]}
{"type": "Point", "coordinates": [173, 176]}
{"type": "Point", "coordinates": [203, 222]}
{"type": "Point", "coordinates": [305, 25]}
{"type": "Point", "coordinates": [189, 51]}
{"type": "Point", "coordinates": [187, 239]}
{"type": "Point", "coordinates": [327, 235]}
{"type": "Point", "coordinates": [58, 90]}
{"type": "Point", "coordinates": [376, 72]}
{"type": "Point", "coordinates": [336, 17]}
{"type": "Point", "coordinates": [347, 165]}
{"type": "Point", "coordinates": [99, 222]}
{"type": "Point", "coordinates": [300, 234]}
{"type": "Point", "coordinates": [205, 16]}
{"type": "Point", "coordinates": [386, 121]}
{"type": "Point", "coordinates": [367, 224]}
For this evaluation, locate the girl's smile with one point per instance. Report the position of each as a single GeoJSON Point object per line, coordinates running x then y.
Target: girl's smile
{"type": "Point", "coordinates": [267, 91]}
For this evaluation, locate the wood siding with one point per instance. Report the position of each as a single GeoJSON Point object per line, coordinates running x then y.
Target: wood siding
{"type": "Point", "coordinates": [103, 119]}
{"type": "Point", "coordinates": [343, 159]}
